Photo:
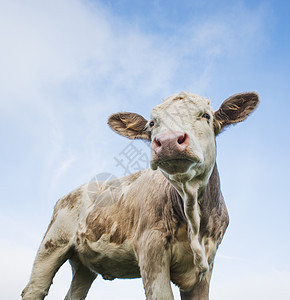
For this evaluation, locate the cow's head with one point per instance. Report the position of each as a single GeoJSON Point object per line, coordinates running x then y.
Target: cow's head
{"type": "Point", "coordinates": [182, 132]}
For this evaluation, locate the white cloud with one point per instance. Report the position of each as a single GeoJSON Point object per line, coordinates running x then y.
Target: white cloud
{"type": "Point", "coordinates": [55, 45]}
{"type": "Point", "coordinates": [54, 50]}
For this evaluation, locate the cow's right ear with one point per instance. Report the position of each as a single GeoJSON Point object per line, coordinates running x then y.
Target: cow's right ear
{"type": "Point", "coordinates": [130, 125]}
{"type": "Point", "coordinates": [235, 109]}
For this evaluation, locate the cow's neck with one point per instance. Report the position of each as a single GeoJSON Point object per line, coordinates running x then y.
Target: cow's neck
{"type": "Point", "coordinates": [192, 192]}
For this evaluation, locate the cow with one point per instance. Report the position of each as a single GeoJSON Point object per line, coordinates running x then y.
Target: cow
{"type": "Point", "coordinates": [163, 224]}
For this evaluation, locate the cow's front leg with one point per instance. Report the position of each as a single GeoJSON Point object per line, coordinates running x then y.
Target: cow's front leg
{"type": "Point", "coordinates": [55, 248]}
{"type": "Point", "coordinates": [154, 262]}
{"type": "Point", "coordinates": [49, 259]}
{"type": "Point", "coordinates": [200, 291]}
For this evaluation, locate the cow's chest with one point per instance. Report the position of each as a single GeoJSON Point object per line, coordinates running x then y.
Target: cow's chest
{"type": "Point", "coordinates": [183, 272]}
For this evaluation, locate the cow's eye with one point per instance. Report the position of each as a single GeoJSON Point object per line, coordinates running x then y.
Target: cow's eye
{"type": "Point", "coordinates": [151, 124]}
{"type": "Point", "coordinates": [206, 116]}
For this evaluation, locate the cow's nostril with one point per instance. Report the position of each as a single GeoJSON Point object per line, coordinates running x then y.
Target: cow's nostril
{"type": "Point", "coordinates": [157, 142]}
{"type": "Point", "coordinates": [181, 139]}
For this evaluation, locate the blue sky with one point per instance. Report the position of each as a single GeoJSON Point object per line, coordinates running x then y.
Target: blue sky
{"type": "Point", "coordinates": [67, 65]}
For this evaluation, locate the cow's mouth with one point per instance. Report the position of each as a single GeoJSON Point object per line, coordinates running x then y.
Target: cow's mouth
{"type": "Point", "coordinates": [173, 165]}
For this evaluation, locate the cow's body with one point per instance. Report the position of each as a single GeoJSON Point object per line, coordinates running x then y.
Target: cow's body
{"type": "Point", "coordinates": [139, 225]}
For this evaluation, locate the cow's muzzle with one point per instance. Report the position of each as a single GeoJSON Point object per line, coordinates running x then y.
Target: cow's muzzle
{"type": "Point", "coordinates": [170, 143]}
{"type": "Point", "coordinates": [171, 152]}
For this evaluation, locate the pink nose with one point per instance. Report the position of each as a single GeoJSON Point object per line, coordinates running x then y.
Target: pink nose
{"type": "Point", "coordinates": [170, 143]}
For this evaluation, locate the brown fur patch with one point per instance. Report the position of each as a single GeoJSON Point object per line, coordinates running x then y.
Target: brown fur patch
{"type": "Point", "coordinates": [96, 227]}
{"type": "Point", "coordinates": [70, 200]}
{"type": "Point", "coordinates": [100, 221]}
{"type": "Point", "coordinates": [118, 237]}
{"type": "Point", "coordinates": [49, 244]}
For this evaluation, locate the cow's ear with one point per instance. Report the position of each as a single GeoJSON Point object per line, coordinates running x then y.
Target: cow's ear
{"type": "Point", "coordinates": [130, 125]}
{"type": "Point", "coordinates": [235, 109]}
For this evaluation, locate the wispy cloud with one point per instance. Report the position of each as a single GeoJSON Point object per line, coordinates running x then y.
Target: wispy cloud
{"type": "Point", "coordinates": [74, 51]}
{"type": "Point", "coordinates": [62, 169]}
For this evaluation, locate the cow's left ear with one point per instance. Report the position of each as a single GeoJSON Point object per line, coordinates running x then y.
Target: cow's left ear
{"type": "Point", "coordinates": [235, 109]}
{"type": "Point", "coordinates": [130, 125]}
